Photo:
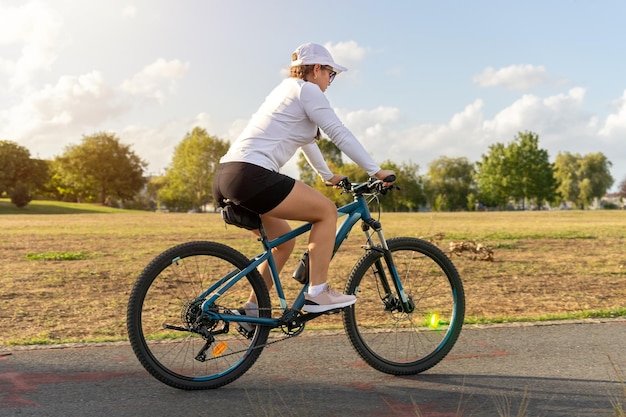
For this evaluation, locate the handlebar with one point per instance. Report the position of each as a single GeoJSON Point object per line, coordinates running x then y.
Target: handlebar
{"type": "Point", "coordinates": [373, 185]}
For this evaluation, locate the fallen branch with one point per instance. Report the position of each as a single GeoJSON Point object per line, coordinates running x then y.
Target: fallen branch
{"type": "Point", "coordinates": [477, 251]}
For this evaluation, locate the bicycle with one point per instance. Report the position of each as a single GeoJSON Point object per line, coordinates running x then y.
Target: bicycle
{"type": "Point", "coordinates": [187, 329]}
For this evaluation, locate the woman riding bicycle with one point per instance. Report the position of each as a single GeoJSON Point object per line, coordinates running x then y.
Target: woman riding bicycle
{"type": "Point", "coordinates": [291, 118]}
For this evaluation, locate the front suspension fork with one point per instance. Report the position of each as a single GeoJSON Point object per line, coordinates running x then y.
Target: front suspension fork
{"type": "Point", "coordinates": [404, 303]}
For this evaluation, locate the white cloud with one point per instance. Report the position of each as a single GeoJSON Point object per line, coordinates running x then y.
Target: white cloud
{"type": "Point", "coordinates": [149, 81]}
{"type": "Point", "coordinates": [156, 144]}
{"type": "Point", "coordinates": [367, 118]}
{"type": "Point", "coordinates": [51, 117]}
{"type": "Point", "coordinates": [57, 104]}
{"type": "Point", "coordinates": [615, 124]}
{"type": "Point", "coordinates": [348, 51]}
{"type": "Point", "coordinates": [561, 122]}
{"type": "Point", "coordinates": [36, 31]}
{"type": "Point", "coordinates": [46, 119]}
{"type": "Point", "coordinates": [462, 136]}
{"type": "Point", "coordinates": [371, 125]}
{"type": "Point", "coordinates": [514, 77]}
{"type": "Point", "coordinates": [561, 114]}
{"type": "Point", "coordinates": [85, 99]}
{"type": "Point", "coordinates": [347, 54]}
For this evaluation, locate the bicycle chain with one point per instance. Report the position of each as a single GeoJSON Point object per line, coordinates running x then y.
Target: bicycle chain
{"type": "Point", "coordinates": [287, 336]}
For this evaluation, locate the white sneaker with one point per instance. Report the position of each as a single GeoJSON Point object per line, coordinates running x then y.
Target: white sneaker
{"type": "Point", "coordinates": [248, 309]}
{"type": "Point", "coordinates": [328, 299]}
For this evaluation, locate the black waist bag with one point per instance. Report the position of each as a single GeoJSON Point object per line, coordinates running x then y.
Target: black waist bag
{"type": "Point", "coordinates": [241, 217]}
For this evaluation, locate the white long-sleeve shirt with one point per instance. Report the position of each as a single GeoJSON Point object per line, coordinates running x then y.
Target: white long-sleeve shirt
{"type": "Point", "coordinates": [288, 120]}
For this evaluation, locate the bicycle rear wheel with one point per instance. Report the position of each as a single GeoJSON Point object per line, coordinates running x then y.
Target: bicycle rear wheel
{"type": "Point", "coordinates": [164, 324]}
{"type": "Point", "coordinates": [389, 339]}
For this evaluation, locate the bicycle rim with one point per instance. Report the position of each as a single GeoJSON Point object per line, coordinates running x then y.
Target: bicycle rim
{"type": "Point", "coordinates": [394, 341]}
{"type": "Point", "coordinates": [165, 297]}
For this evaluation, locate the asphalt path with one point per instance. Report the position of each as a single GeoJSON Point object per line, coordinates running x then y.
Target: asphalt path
{"type": "Point", "coordinates": [550, 369]}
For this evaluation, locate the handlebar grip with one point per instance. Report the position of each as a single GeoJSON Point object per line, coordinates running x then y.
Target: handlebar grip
{"type": "Point", "coordinates": [390, 178]}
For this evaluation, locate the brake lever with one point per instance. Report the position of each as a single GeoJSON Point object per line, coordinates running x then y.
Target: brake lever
{"type": "Point", "coordinates": [380, 184]}
{"type": "Point", "coordinates": [385, 189]}
{"type": "Point", "coordinates": [343, 184]}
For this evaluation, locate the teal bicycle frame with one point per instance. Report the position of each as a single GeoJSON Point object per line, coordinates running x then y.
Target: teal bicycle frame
{"type": "Point", "coordinates": [355, 211]}
{"type": "Point", "coordinates": [193, 294]}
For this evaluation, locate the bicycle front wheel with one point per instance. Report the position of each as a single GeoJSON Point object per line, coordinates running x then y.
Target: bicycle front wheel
{"type": "Point", "coordinates": [171, 339]}
{"type": "Point", "coordinates": [387, 337]}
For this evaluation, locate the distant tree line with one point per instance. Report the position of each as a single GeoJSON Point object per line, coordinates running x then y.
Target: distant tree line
{"type": "Point", "coordinates": [103, 170]}
{"type": "Point", "coordinates": [100, 169]}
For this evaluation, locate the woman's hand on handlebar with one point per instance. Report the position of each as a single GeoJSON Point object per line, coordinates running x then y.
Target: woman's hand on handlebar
{"type": "Point", "coordinates": [335, 179]}
{"type": "Point", "coordinates": [384, 175]}
{"type": "Point", "coordinates": [340, 182]}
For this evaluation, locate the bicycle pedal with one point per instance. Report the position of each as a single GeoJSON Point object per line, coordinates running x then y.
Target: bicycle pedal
{"type": "Point", "coordinates": [245, 333]}
{"type": "Point", "coordinates": [334, 311]}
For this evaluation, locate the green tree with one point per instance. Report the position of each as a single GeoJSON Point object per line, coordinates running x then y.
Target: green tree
{"type": "Point", "coordinates": [492, 177]}
{"type": "Point", "coordinates": [533, 177]}
{"type": "Point", "coordinates": [14, 165]}
{"type": "Point", "coordinates": [566, 172]}
{"type": "Point", "coordinates": [20, 176]}
{"type": "Point", "coordinates": [20, 196]}
{"type": "Point", "coordinates": [60, 186]}
{"type": "Point", "coordinates": [595, 168]}
{"type": "Point", "coordinates": [189, 178]}
{"type": "Point", "coordinates": [100, 169]}
{"type": "Point", "coordinates": [520, 171]}
{"type": "Point", "coordinates": [582, 178]}
{"type": "Point", "coordinates": [40, 176]}
{"type": "Point", "coordinates": [450, 181]}
{"type": "Point", "coordinates": [409, 195]}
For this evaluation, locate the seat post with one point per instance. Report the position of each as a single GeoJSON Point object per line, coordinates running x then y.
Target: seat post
{"type": "Point", "coordinates": [263, 236]}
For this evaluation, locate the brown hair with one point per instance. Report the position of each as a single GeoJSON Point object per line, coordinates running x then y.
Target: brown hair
{"type": "Point", "coordinates": [301, 71]}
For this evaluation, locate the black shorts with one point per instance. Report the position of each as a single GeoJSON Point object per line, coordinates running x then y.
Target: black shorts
{"type": "Point", "coordinates": [251, 186]}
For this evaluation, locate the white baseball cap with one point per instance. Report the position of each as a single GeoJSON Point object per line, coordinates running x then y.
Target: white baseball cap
{"type": "Point", "coordinates": [312, 53]}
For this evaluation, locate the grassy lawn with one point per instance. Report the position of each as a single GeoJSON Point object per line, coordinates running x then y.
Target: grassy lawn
{"type": "Point", "coordinates": [54, 207]}
{"type": "Point", "coordinates": [68, 269]}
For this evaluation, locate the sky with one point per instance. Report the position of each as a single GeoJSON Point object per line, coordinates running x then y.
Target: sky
{"type": "Point", "coordinates": [426, 79]}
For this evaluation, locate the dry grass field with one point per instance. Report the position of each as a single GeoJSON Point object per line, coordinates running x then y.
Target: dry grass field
{"type": "Point", "coordinates": [67, 277]}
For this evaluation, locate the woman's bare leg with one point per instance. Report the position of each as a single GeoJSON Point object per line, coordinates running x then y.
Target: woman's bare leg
{"type": "Point", "coordinates": [306, 204]}
{"type": "Point", "coordinates": [274, 228]}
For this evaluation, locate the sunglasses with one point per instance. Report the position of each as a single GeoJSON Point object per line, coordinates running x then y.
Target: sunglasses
{"type": "Point", "coordinates": [331, 72]}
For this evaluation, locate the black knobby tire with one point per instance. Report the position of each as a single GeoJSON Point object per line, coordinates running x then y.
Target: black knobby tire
{"type": "Point", "coordinates": [393, 341]}
{"type": "Point", "coordinates": [166, 294]}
